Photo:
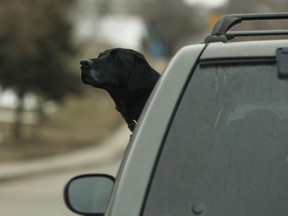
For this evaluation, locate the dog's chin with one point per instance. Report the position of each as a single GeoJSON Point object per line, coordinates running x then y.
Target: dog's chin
{"type": "Point", "coordinates": [84, 77]}
{"type": "Point", "coordinates": [88, 80]}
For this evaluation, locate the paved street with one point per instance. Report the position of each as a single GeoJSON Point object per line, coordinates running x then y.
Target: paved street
{"type": "Point", "coordinates": [39, 192]}
{"type": "Point", "coordinates": [42, 195]}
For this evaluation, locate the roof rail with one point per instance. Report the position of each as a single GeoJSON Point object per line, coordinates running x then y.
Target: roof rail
{"type": "Point", "coordinates": [226, 22]}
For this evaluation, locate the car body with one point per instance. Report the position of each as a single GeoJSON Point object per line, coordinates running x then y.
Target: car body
{"type": "Point", "coordinates": [212, 138]}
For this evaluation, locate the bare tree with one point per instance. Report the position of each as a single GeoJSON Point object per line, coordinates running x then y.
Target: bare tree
{"type": "Point", "coordinates": [35, 48]}
{"type": "Point", "coordinates": [170, 21]}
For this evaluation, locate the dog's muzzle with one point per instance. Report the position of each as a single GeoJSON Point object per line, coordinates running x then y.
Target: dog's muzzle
{"type": "Point", "coordinates": [85, 66]}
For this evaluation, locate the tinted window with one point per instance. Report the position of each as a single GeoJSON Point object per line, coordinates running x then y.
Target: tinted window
{"type": "Point", "coordinates": [226, 150]}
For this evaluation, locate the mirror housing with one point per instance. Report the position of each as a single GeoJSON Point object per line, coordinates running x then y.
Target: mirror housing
{"type": "Point", "coordinates": [89, 194]}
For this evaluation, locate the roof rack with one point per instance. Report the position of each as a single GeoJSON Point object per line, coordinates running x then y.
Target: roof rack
{"type": "Point", "coordinates": [226, 22]}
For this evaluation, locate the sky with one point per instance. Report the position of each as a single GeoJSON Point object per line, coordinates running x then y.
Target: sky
{"type": "Point", "coordinates": [208, 3]}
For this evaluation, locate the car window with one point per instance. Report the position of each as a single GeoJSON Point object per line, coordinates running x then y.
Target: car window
{"type": "Point", "coordinates": [226, 151]}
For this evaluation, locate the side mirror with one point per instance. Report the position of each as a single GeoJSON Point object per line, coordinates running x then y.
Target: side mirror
{"type": "Point", "coordinates": [89, 194]}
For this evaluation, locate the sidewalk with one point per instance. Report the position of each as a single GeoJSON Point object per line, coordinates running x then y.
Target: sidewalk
{"type": "Point", "coordinates": [103, 152]}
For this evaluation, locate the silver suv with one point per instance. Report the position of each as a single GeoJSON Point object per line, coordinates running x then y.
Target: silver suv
{"type": "Point", "coordinates": [213, 138]}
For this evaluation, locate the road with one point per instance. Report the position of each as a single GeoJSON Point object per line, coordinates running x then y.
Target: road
{"type": "Point", "coordinates": [43, 195]}
{"type": "Point", "coordinates": [40, 193]}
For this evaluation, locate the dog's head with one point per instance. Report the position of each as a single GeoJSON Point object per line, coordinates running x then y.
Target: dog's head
{"type": "Point", "coordinates": [118, 67]}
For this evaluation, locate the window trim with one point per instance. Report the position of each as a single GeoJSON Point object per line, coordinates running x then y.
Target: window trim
{"type": "Point", "coordinates": [231, 61]}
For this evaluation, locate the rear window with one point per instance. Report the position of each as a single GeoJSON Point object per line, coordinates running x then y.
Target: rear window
{"type": "Point", "coordinates": [226, 152]}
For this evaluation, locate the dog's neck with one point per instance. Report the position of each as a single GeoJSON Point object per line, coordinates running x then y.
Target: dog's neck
{"type": "Point", "coordinates": [129, 104]}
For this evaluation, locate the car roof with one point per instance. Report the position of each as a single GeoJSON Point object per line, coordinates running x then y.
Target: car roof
{"type": "Point", "coordinates": [221, 50]}
{"type": "Point", "coordinates": [221, 30]}
{"type": "Point", "coordinates": [218, 45]}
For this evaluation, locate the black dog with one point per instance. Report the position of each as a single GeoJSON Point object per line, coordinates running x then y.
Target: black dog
{"type": "Point", "coordinates": [127, 77]}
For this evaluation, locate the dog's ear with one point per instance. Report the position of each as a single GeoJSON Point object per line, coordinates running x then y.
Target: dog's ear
{"type": "Point", "coordinates": [142, 75]}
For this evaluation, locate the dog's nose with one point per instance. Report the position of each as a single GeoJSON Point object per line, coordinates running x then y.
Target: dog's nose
{"type": "Point", "coordinates": [86, 63]}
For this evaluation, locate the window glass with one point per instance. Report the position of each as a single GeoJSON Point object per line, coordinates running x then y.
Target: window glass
{"type": "Point", "coordinates": [226, 152]}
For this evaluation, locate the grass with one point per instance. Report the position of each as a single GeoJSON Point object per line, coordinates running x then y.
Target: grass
{"type": "Point", "coordinates": [81, 121]}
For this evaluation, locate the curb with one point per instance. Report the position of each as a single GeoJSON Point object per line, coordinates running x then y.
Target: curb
{"type": "Point", "coordinates": [103, 152]}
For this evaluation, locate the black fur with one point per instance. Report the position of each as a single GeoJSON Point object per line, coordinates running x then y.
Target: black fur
{"type": "Point", "coordinates": [125, 75]}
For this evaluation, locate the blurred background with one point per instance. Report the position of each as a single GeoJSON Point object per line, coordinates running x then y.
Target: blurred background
{"type": "Point", "coordinates": [45, 110]}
